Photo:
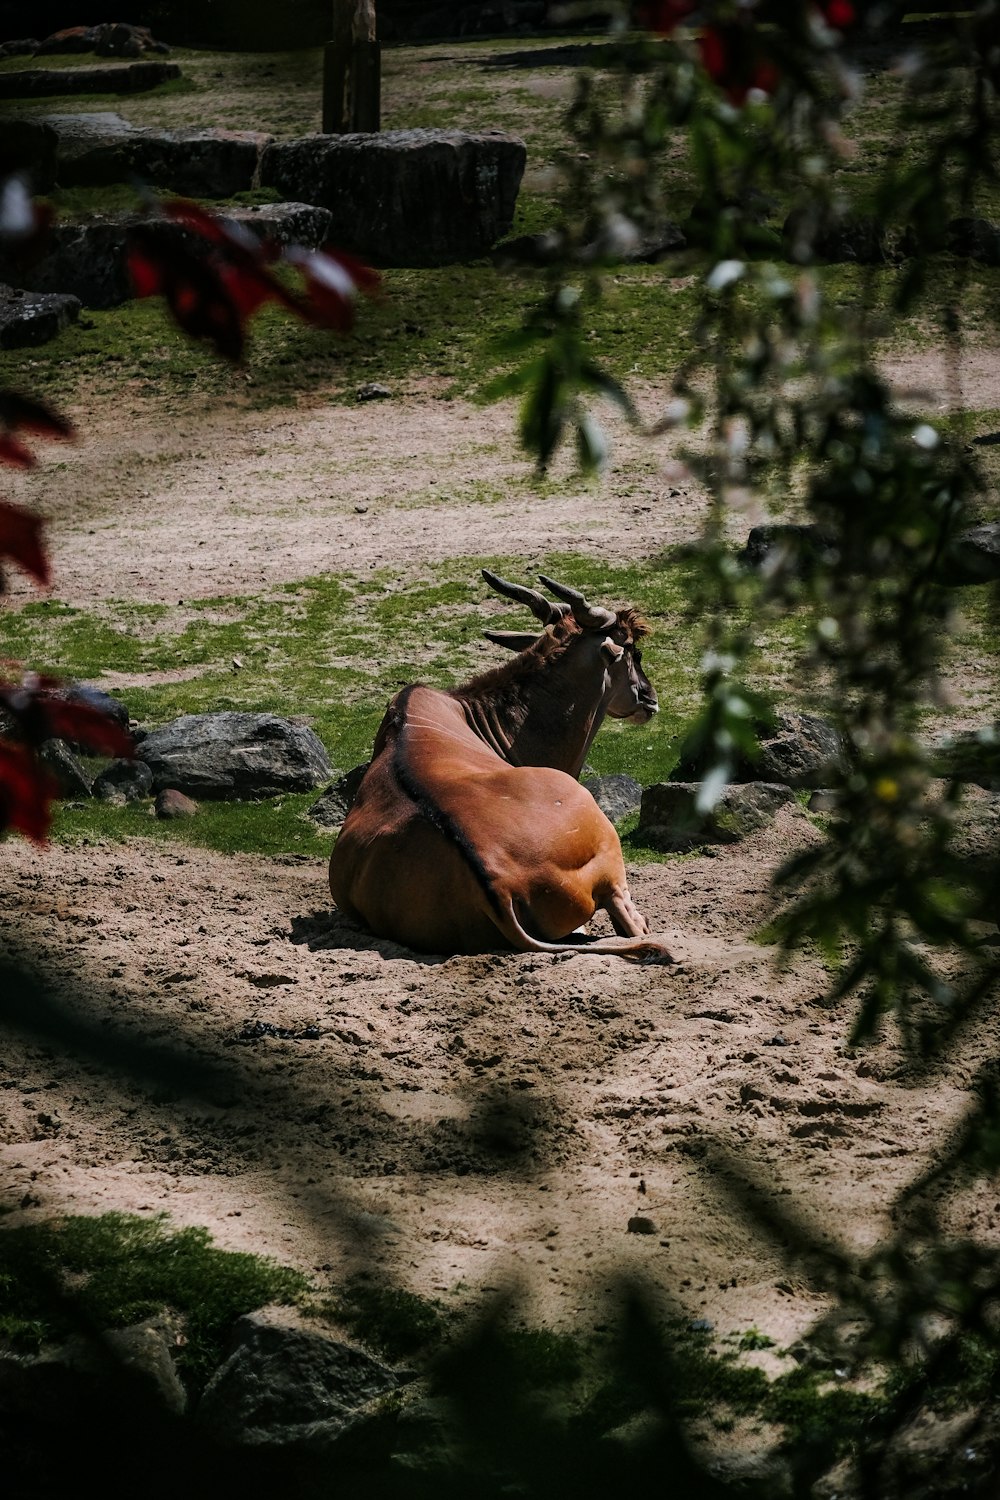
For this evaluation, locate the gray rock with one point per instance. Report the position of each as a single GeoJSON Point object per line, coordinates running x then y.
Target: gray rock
{"type": "Point", "coordinates": [68, 40]}
{"type": "Point", "coordinates": [132, 78]}
{"type": "Point", "coordinates": [170, 803]}
{"type": "Point", "coordinates": [123, 781]}
{"type": "Point", "coordinates": [793, 549]}
{"type": "Point", "coordinates": [332, 807]}
{"type": "Point", "coordinates": [235, 755]}
{"type": "Point", "coordinates": [58, 758]}
{"type": "Point", "coordinates": [970, 755]}
{"type": "Point", "coordinates": [285, 1383]}
{"type": "Point", "coordinates": [642, 246]}
{"type": "Point", "coordinates": [824, 800]}
{"type": "Point", "coordinates": [144, 1354]}
{"type": "Point", "coordinates": [29, 146]}
{"type": "Point", "coordinates": [89, 259]}
{"type": "Point", "coordinates": [118, 39]}
{"type": "Point", "coordinates": [800, 750]}
{"type": "Point", "coordinates": [30, 318]}
{"type": "Point", "coordinates": [668, 819]}
{"type": "Point", "coordinates": [25, 46]}
{"type": "Point", "coordinates": [974, 555]}
{"type": "Point", "coordinates": [130, 1368]}
{"type": "Point", "coordinates": [797, 550]}
{"type": "Point", "coordinates": [857, 238]}
{"type": "Point", "coordinates": [804, 752]}
{"type": "Point", "coordinates": [85, 260]}
{"type": "Point", "coordinates": [405, 197]}
{"type": "Point", "coordinates": [372, 391]}
{"type": "Point", "coordinates": [616, 796]}
{"type": "Point", "coordinates": [284, 223]}
{"type": "Point", "coordinates": [94, 697]}
{"type": "Point", "coordinates": [97, 148]}
{"type": "Point", "coordinates": [976, 239]}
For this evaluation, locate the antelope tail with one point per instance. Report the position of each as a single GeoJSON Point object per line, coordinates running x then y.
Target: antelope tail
{"type": "Point", "coordinates": [636, 950]}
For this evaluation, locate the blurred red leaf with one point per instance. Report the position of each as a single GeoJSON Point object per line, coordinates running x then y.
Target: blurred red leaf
{"type": "Point", "coordinates": [333, 280]}
{"type": "Point", "coordinates": [732, 58]}
{"type": "Point", "coordinates": [42, 710]}
{"type": "Point", "coordinates": [24, 222]}
{"type": "Point", "coordinates": [26, 793]}
{"type": "Point", "coordinates": [195, 290]}
{"type": "Point", "coordinates": [13, 452]}
{"type": "Point", "coordinates": [33, 416]}
{"type": "Point", "coordinates": [840, 14]}
{"type": "Point", "coordinates": [663, 16]}
{"type": "Point", "coordinates": [213, 287]}
{"type": "Point", "coordinates": [21, 540]}
{"type": "Point", "coordinates": [87, 726]}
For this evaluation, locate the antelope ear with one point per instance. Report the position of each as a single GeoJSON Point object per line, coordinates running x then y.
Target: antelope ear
{"type": "Point", "coordinates": [611, 650]}
{"type": "Point", "coordinates": [514, 640]}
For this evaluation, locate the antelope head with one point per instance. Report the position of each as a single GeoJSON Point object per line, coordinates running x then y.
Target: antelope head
{"type": "Point", "coordinates": [601, 645]}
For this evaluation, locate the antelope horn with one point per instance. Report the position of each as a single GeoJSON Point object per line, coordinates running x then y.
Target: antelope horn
{"type": "Point", "coordinates": [536, 602]}
{"type": "Point", "coordinates": [587, 616]}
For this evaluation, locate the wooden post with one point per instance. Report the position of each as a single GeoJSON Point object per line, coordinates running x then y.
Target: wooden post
{"type": "Point", "coordinates": [352, 70]}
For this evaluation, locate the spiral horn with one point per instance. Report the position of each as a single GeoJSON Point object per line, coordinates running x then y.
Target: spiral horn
{"type": "Point", "coordinates": [587, 616]}
{"type": "Point", "coordinates": [536, 602]}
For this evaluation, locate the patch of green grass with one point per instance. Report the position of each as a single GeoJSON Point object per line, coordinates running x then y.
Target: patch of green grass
{"type": "Point", "coordinates": [337, 648]}
{"type": "Point", "coordinates": [83, 1274]}
{"type": "Point", "coordinates": [274, 826]}
{"type": "Point", "coordinates": [815, 1413]}
{"type": "Point", "coordinates": [396, 1323]}
{"type": "Point", "coordinates": [542, 1358]}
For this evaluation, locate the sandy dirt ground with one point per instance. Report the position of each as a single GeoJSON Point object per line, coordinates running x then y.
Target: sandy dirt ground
{"type": "Point", "coordinates": [244, 1060]}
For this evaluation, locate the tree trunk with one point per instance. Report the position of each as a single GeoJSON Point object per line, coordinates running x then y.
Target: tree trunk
{"type": "Point", "coordinates": [352, 70]}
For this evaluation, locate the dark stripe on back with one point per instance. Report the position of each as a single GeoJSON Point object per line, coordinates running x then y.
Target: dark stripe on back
{"type": "Point", "coordinates": [436, 815]}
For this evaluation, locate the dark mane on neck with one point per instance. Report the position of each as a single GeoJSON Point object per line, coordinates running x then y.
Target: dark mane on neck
{"type": "Point", "coordinates": [631, 620]}
{"type": "Point", "coordinates": [521, 668]}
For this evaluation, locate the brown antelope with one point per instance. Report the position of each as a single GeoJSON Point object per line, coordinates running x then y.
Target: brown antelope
{"type": "Point", "coordinates": [470, 826]}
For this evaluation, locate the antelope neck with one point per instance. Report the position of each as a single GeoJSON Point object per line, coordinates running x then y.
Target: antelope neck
{"type": "Point", "coordinates": [538, 723]}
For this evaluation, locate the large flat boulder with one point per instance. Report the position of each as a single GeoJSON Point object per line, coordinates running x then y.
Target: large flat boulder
{"type": "Point", "coordinates": [129, 78]}
{"type": "Point", "coordinates": [332, 807]}
{"type": "Point", "coordinates": [974, 556]}
{"type": "Point", "coordinates": [89, 260]}
{"type": "Point", "coordinates": [237, 755]}
{"type": "Point", "coordinates": [97, 148]}
{"type": "Point", "coordinates": [968, 755]}
{"type": "Point", "coordinates": [616, 796]}
{"type": "Point", "coordinates": [794, 549]}
{"type": "Point", "coordinates": [30, 318]}
{"type": "Point", "coordinates": [803, 751]}
{"type": "Point", "coordinates": [29, 146]}
{"type": "Point", "coordinates": [405, 197]}
{"type": "Point", "coordinates": [669, 818]}
{"type": "Point", "coordinates": [286, 1384]}
{"type": "Point", "coordinates": [797, 750]}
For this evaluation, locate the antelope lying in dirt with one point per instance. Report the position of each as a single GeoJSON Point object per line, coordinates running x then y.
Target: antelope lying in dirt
{"type": "Point", "coordinates": [470, 827]}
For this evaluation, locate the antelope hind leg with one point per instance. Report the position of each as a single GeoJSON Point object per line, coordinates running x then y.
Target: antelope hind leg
{"type": "Point", "coordinates": [626, 918]}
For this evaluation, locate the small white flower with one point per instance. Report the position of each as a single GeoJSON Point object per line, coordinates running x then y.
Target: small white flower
{"type": "Point", "coordinates": [675, 412]}
{"type": "Point", "coordinates": [711, 789]}
{"type": "Point", "coordinates": [17, 215]}
{"type": "Point", "coordinates": [715, 661]}
{"type": "Point", "coordinates": [724, 274]}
